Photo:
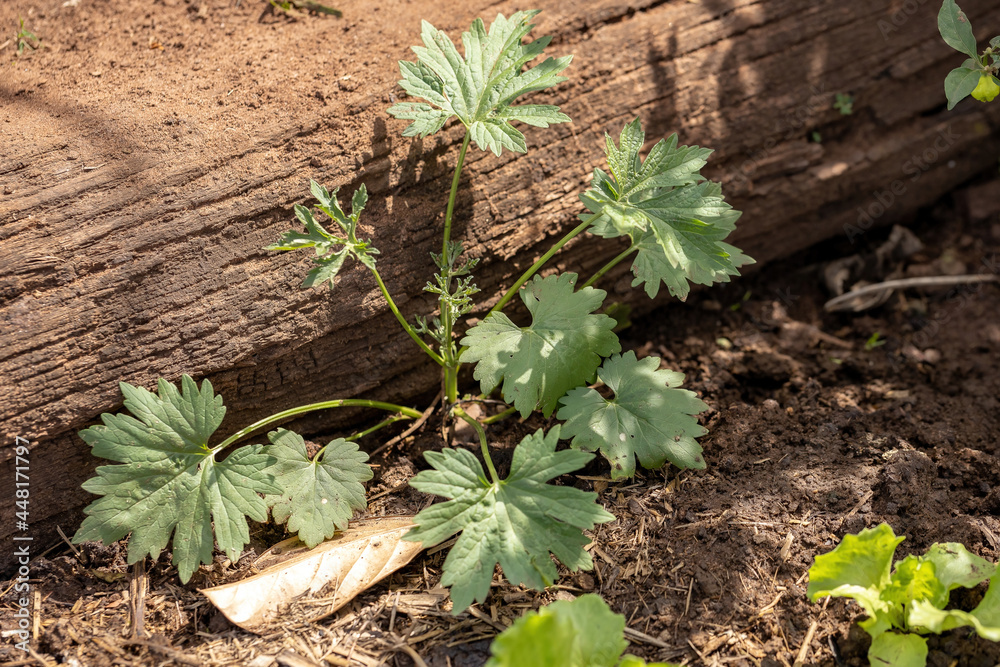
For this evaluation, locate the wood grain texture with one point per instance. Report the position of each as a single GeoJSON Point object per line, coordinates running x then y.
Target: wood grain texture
{"type": "Point", "coordinates": [151, 265]}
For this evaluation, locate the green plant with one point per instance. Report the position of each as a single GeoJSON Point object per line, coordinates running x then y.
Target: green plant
{"type": "Point", "coordinates": [674, 221]}
{"type": "Point", "coordinates": [24, 38]}
{"type": "Point", "coordinates": [844, 103]}
{"type": "Point", "coordinates": [978, 74]}
{"type": "Point", "coordinates": [289, 7]}
{"type": "Point", "coordinates": [875, 340]}
{"type": "Point", "coordinates": [909, 596]}
{"type": "Point", "coordinates": [576, 633]}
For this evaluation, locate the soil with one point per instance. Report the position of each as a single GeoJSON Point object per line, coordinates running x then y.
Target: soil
{"type": "Point", "coordinates": [820, 424]}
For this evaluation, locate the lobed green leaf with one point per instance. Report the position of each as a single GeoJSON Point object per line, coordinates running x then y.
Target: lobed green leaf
{"type": "Point", "coordinates": [169, 481]}
{"type": "Point", "coordinates": [559, 350]}
{"type": "Point", "coordinates": [480, 88]}
{"type": "Point", "coordinates": [515, 522]}
{"type": "Point", "coordinates": [676, 220]}
{"type": "Point", "coordinates": [648, 418]}
{"type": "Point", "coordinates": [319, 495]}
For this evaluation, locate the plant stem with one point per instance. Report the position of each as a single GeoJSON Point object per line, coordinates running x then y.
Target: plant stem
{"type": "Point", "coordinates": [402, 320]}
{"type": "Point", "coordinates": [454, 194]}
{"type": "Point", "coordinates": [464, 416]}
{"type": "Point", "coordinates": [576, 231]}
{"type": "Point", "coordinates": [610, 265]}
{"type": "Point", "coordinates": [500, 416]}
{"type": "Point", "coordinates": [303, 409]}
{"type": "Point", "coordinates": [382, 424]}
{"type": "Point", "coordinates": [449, 358]}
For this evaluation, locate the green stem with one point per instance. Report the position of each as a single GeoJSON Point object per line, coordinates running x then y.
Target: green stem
{"type": "Point", "coordinates": [324, 405]}
{"type": "Point", "coordinates": [576, 231]}
{"type": "Point", "coordinates": [500, 416]}
{"type": "Point", "coordinates": [382, 424]}
{"type": "Point", "coordinates": [454, 194]}
{"type": "Point", "coordinates": [464, 416]}
{"type": "Point", "coordinates": [402, 320]}
{"type": "Point", "coordinates": [449, 358]}
{"type": "Point", "coordinates": [610, 265]}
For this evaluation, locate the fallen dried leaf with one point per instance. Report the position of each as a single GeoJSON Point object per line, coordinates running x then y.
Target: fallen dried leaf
{"type": "Point", "coordinates": [318, 581]}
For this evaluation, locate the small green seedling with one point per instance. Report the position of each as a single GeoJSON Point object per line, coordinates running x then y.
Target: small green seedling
{"type": "Point", "coordinates": [875, 340]}
{"type": "Point", "coordinates": [675, 222]}
{"type": "Point", "coordinates": [978, 74]}
{"type": "Point", "coordinates": [25, 39]}
{"type": "Point", "coordinates": [906, 599]}
{"type": "Point", "coordinates": [576, 633]}
{"type": "Point", "coordinates": [290, 6]}
{"type": "Point", "coordinates": [844, 103]}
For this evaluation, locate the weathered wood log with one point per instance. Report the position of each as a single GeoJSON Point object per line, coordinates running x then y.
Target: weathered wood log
{"type": "Point", "coordinates": [138, 192]}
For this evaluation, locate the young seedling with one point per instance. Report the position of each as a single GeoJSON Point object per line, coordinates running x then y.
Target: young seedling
{"type": "Point", "coordinates": [978, 74]}
{"type": "Point", "coordinates": [909, 596]}
{"type": "Point", "coordinates": [674, 221]}
{"type": "Point", "coordinates": [24, 38]}
{"type": "Point", "coordinates": [844, 103]}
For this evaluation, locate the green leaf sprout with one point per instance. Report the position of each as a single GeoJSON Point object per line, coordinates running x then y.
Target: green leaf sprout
{"type": "Point", "coordinates": [909, 598]}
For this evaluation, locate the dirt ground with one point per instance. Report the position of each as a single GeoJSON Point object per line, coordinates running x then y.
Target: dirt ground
{"type": "Point", "coordinates": [817, 428]}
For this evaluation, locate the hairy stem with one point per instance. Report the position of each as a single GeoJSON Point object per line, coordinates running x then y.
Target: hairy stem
{"type": "Point", "coordinates": [402, 320]}
{"type": "Point", "coordinates": [610, 265]}
{"type": "Point", "coordinates": [464, 416]}
{"type": "Point", "coordinates": [324, 405]}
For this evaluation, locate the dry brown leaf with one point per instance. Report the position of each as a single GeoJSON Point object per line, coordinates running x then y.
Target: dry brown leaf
{"type": "Point", "coordinates": [319, 581]}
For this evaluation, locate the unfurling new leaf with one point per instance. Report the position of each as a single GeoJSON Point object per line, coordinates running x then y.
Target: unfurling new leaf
{"type": "Point", "coordinates": [559, 350]}
{"type": "Point", "coordinates": [675, 218]}
{"type": "Point", "coordinates": [515, 522]}
{"type": "Point", "coordinates": [170, 481]}
{"type": "Point", "coordinates": [480, 88]}
{"type": "Point", "coordinates": [331, 251]}
{"type": "Point", "coordinates": [319, 494]}
{"type": "Point", "coordinates": [649, 418]}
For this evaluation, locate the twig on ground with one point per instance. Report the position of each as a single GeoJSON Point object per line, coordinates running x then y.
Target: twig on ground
{"type": "Point", "coordinates": [849, 300]}
{"type": "Point", "coordinates": [804, 649]}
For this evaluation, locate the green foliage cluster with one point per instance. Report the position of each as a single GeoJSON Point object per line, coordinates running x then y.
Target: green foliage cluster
{"type": "Point", "coordinates": [170, 479]}
{"type": "Point", "coordinates": [978, 74]}
{"type": "Point", "coordinates": [568, 633]}
{"type": "Point", "coordinates": [907, 598]}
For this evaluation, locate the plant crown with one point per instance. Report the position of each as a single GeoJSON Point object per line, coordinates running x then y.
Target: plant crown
{"type": "Point", "coordinates": [171, 481]}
